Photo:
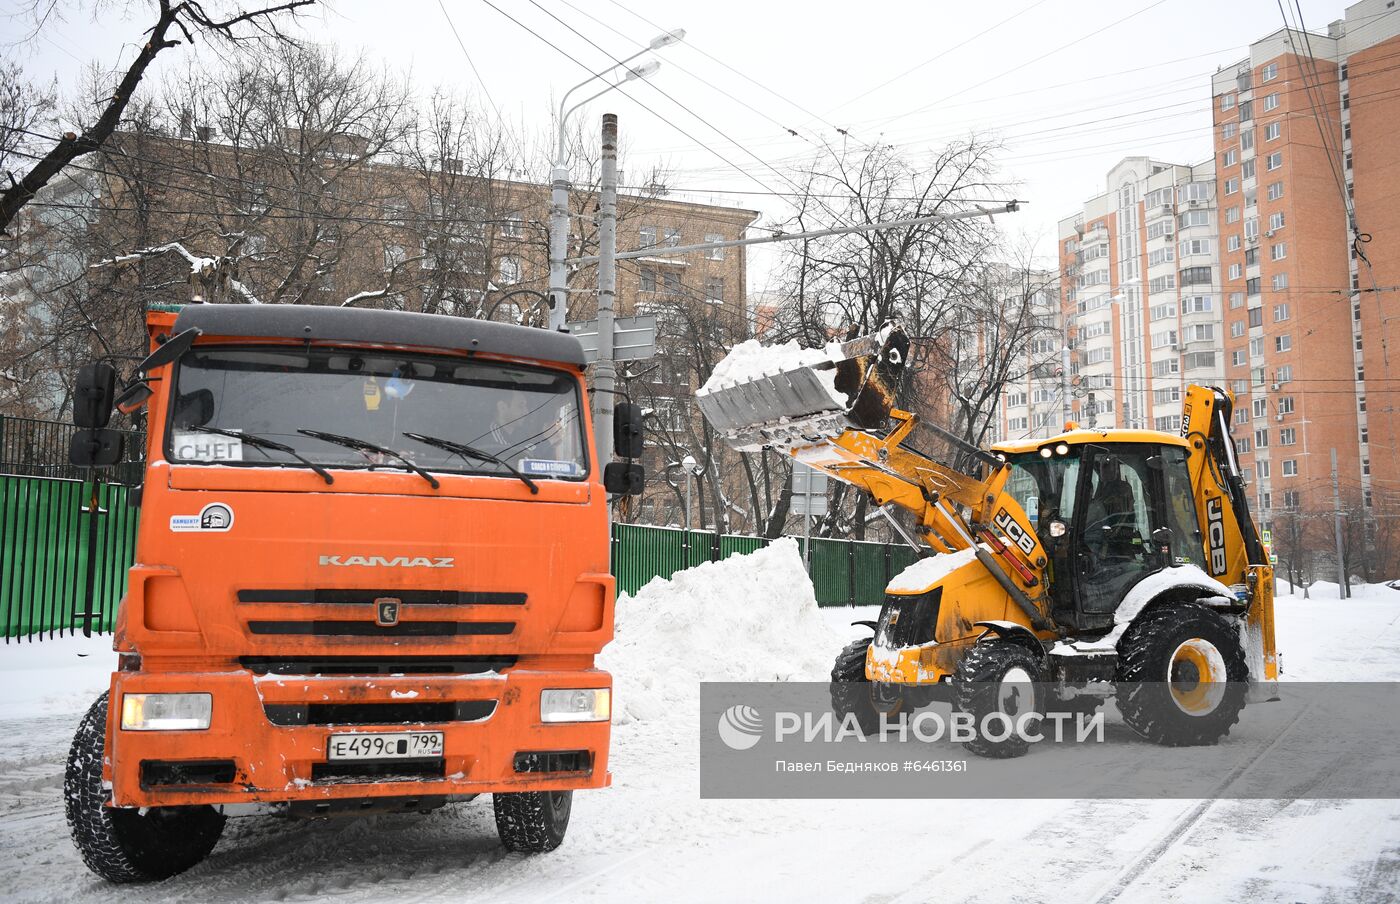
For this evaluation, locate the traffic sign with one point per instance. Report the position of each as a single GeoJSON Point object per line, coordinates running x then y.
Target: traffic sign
{"type": "Point", "coordinates": [634, 338]}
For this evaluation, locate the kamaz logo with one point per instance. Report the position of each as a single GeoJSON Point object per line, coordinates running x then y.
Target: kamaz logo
{"type": "Point", "coordinates": [1215, 534]}
{"type": "Point", "coordinates": [388, 562]}
{"type": "Point", "coordinates": [1013, 529]}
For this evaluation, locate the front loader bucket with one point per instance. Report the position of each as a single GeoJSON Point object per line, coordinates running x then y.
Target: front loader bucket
{"type": "Point", "coordinates": [781, 397]}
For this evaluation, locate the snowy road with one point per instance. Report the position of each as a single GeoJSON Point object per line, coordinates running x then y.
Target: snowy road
{"type": "Point", "coordinates": [650, 837]}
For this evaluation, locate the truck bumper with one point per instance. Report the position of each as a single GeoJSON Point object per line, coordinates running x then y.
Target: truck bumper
{"type": "Point", "coordinates": [268, 737]}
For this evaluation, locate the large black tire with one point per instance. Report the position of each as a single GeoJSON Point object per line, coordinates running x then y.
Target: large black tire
{"type": "Point", "coordinates": [122, 845]}
{"type": "Point", "coordinates": [999, 676]}
{"type": "Point", "coordinates": [532, 822]}
{"type": "Point", "coordinates": [1182, 675]}
{"type": "Point", "coordinates": [854, 694]}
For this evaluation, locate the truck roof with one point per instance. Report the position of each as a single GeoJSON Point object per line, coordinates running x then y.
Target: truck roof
{"type": "Point", "coordinates": [1079, 436]}
{"type": "Point", "coordinates": [337, 324]}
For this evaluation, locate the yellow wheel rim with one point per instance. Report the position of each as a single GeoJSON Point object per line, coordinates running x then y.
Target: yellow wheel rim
{"type": "Point", "coordinates": [1196, 677]}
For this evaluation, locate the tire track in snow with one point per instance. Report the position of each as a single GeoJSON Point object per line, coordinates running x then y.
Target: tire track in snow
{"type": "Point", "coordinates": [1188, 820]}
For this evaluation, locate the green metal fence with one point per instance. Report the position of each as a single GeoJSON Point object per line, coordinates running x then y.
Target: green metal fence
{"type": "Point", "coordinates": [844, 572]}
{"type": "Point", "coordinates": [65, 547]}
{"type": "Point", "coordinates": [56, 539]}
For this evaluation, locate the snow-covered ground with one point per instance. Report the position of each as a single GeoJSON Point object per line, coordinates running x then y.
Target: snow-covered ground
{"type": "Point", "coordinates": [650, 837]}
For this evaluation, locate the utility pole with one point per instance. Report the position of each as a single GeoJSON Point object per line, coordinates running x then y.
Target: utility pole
{"type": "Point", "coordinates": [605, 370]}
{"type": "Point", "coordinates": [558, 243]}
{"type": "Point", "coordinates": [1066, 403]}
{"type": "Point", "coordinates": [1343, 591]}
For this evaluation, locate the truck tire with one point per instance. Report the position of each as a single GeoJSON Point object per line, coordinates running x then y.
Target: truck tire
{"type": "Point", "coordinates": [1182, 675]}
{"type": "Point", "coordinates": [852, 694]}
{"type": "Point", "coordinates": [128, 845]}
{"type": "Point", "coordinates": [532, 822]}
{"type": "Point", "coordinates": [999, 676]}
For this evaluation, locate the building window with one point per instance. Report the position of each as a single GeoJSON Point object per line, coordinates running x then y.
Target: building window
{"type": "Point", "coordinates": [671, 237]}
{"type": "Point", "coordinates": [1168, 424]}
{"type": "Point", "coordinates": [714, 254]}
{"type": "Point", "coordinates": [1247, 172]}
{"type": "Point", "coordinates": [1271, 102]}
{"type": "Point", "coordinates": [1256, 317]}
{"type": "Point", "coordinates": [1285, 405]}
{"type": "Point", "coordinates": [510, 270]}
{"type": "Point", "coordinates": [1231, 158]}
{"type": "Point", "coordinates": [1162, 283]}
{"type": "Point", "coordinates": [1228, 130]}
{"type": "Point", "coordinates": [670, 281]}
{"type": "Point", "coordinates": [1280, 312]}
{"type": "Point", "coordinates": [1237, 358]}
{"type": "Point", "coordinates": [1246, 110]}
{"type": "Point", "coordinates": [1236, 271]}
{"type": "Point", "coordinates": [1163, 311]}
{"type": "Point", "coordinates": [646, 237]}
{"type": "Point", "coordinates": [1236, 329]}
{"type": "Point", "coordinates": [1284, 374]}
{"type": "Point", "coordinates": [1227, 101]}
{"type": "Point", "coordinates": [394, 257]}
{"type": "Point", "coordinates": [1195, 276]}
{"type": "Point", "coordinates": [1199, 304]}
{"type": "Point", "coordinates": [1232, 214]}
{"type": "Point", "coordinates": [1236, 300]}
{"type": "Point", "coordinates": [1279, 281]}
{"type": "Point", "coordinates": [1275, 191]}
{"type": "Point", "coordinates": [1269, 73]}
{"type": "Point", "coordinates": [1232, 186]}
{"type": "Point", "coordinates": [1283, 343]}
{"type": "Point", "coordinates": [1274, 161]}
{"type": "Point", "coordinates": [1232, 243]}
{"type": "Point", "coordinates": [1261, 438]}
{"type": "Point", "coordinates": [1194, 218]}
{"type": "Point", "coordinates": [1260, 408]}
{"type": "Point", "coordinates": [1287, 436]}
{"type": "Point", "coordinates": [1272, 131]}
{"type": "Point", "coordinates": [1256, 346]}
{"type": "Point", "coordinates": [648, 279]}
{"type": "Point", "coordinates": [714, 289]}
{"type": "Point", "coordinates": [1251, 286]}
{"type": "Point", "coordinates": [1276, 220]}
{"type": "Point", "coordinates": [1278, 251]}
{"type": "Point", "coordinates": [1262, 469]}
{"type": "Point", "coordinates": [1164, 338]}
{"type": "Point", "coordinates": [512, 227]}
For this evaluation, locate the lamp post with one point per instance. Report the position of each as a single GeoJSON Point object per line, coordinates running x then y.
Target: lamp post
{"type": "Point", "coordinates": [559, 175]}
{"type": "Point", "coordinates": [689, 464]}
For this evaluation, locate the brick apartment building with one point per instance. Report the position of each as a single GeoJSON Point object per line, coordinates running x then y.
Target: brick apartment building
{"type": "Point", "coordinates": [1253, 270]}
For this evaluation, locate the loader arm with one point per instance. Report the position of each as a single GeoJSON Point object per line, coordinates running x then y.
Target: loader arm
{"type": "Point", "coordinates": [1235, 554]}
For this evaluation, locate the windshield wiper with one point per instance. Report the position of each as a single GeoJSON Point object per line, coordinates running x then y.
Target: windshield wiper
{"type": "Point", "coordinates": [362, 445]}
{"type": "Point", "coordinates": [263, 444]}
{"type": "Point", "coordinates": [467, 451]}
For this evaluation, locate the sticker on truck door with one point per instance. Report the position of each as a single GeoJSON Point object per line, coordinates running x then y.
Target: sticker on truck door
{"type": "Point", "coordinates": [215, 517]}
{"type": "Point", "coordinates": [549, 467]}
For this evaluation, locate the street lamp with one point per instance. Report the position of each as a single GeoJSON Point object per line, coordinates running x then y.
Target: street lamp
{"type": "Point", "coordinates": [559, 176]}
{"type": "Point", "coordinates": [691, 472]}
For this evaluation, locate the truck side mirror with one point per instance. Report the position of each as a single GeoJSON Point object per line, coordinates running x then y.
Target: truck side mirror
{"type": "Point", "coordinates": [134, 396]}
{"type": "Point", "coordinates": [624, 478]}
{"type": "Point", "coordinates": [95, 447]}
{"type": "Point", "coordinates": [627, 430]}
{"type": "Point", "coordinates": [171, 349]}
{"type": "Point", "coordinates": [92, 398]}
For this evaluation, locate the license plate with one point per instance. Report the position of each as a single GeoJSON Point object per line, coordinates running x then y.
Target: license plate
{"type": "Point", "coordinates": [384, 746]}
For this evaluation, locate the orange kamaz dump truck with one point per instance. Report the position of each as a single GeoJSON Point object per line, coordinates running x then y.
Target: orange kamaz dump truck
{"type": "Point", "coordinates": [372, 574]}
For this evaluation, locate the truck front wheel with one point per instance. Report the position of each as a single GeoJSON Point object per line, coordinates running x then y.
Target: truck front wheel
{"type": "Point", "coordinates": [128, 845]}
{"type": "Point", "coordinates": [532, 822]}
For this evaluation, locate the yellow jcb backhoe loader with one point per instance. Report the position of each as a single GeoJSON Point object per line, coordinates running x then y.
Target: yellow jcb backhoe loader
{"type": "Point", "coordinates": [1093, 562]}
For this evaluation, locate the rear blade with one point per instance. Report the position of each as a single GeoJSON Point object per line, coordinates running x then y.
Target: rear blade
{"type": "Point", "coordinates": [806, 395]}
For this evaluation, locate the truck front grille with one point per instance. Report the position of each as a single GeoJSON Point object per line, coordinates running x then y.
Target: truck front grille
{"type": "Point", "coordinates": [376, 665]}
{"type": "Point", "coordinates": [358, 771]}
{"type": "Point", "coordinates": [378, 713]}
{"type": "Point", "coordinates": [337, 628]}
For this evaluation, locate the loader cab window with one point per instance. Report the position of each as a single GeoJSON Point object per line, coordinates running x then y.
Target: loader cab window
{"type": "Point", "coordinates": [1123, 489]}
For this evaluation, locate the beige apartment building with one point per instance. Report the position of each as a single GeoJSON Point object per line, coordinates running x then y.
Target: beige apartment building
{"type": "Point", "coordinates": [1140, 295]}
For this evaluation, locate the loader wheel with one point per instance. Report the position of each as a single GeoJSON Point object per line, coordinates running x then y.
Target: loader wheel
{"type": "Point", "coordinates": [1182, 675]}
{"type": "Point", "coordinates": [854, 694]}
{"type": "Point", "coordinates": [128, 845]}
{"type": "Point", "coordinates": [999, 676]}
{"type": "Point", "coordinates": [532, 822]}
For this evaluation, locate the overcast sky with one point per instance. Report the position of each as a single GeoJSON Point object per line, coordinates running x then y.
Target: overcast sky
{"type": "Point", "coordinates": [1069, 86]}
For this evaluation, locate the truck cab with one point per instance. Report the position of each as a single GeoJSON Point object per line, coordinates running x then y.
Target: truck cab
{"type": "Point", "coordinates": [372, 573]}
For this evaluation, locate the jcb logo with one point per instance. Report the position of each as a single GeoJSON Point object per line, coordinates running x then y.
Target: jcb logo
{"type": "Point", "coordinates": [1012, 528]}
{"type": "Point", "coordinates": [1186, 420]}
{"type": "Point", "coordinates": [1215, 535]}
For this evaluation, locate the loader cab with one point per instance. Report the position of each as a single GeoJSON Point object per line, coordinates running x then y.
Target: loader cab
{"type": "Point", "coordinates": [1109, 512]}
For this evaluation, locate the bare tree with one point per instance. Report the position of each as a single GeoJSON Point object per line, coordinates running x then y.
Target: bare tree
{"type": "Point", "coordinates": [227, 22]}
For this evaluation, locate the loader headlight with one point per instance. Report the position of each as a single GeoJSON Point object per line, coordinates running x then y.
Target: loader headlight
{"type": "Point", "coordinates": [166, 712]}
{"type": "Point", "coordinates": [576, 705]}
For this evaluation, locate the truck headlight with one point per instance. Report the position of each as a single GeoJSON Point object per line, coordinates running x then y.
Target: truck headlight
{"type": "Point", "coordinates": [576, 705]}
{"type": "Point", "coordinates": [166, 712]}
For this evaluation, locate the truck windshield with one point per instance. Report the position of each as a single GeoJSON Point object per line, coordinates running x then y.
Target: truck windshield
{"type": "Point", "coordinates": [527, 417]}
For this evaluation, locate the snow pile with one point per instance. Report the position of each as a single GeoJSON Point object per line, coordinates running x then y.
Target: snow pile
{"type": "Point", "coordinates": [925, 572]}
{"type": "Point", "coordinates": [751, 359]}
{"type": "Point", "coordinates": [744, 618]}
{"type": "Point", "coordinates": [53, 675]}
